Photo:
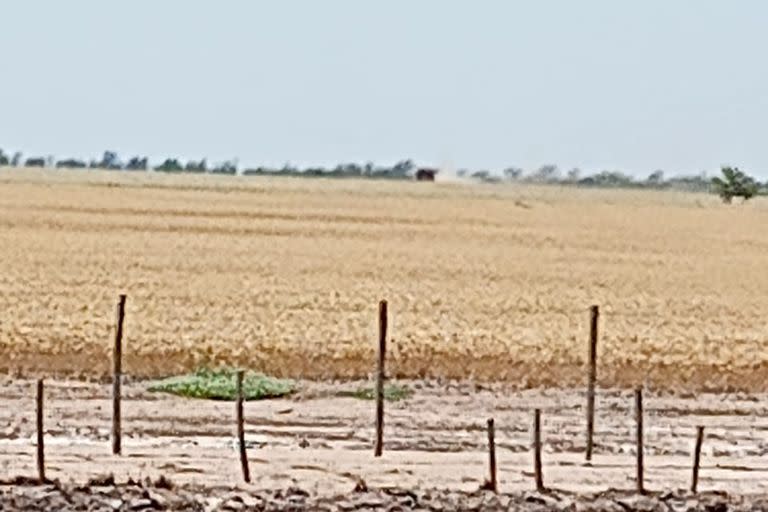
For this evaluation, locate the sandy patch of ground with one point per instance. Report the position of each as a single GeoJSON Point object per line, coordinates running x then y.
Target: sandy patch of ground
{"type": "Point", "coordinates": [434, 440]}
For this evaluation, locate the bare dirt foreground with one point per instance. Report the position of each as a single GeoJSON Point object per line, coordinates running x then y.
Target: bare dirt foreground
{"type": "Point", "coordinates": [312, 450]}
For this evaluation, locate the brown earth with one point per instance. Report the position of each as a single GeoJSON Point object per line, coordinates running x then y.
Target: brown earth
{"type": "Point", "coordinates": [138, 496]}
{"type": "Point", "coordinates": [321, 443]}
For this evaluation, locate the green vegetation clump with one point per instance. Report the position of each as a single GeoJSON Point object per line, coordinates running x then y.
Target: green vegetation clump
{"type": "Point", "coordinates": [392, 393]}
{"type": "Point", "coordinates": [735, 183]}
{"type": "Point", "coordinates": [222, 385]}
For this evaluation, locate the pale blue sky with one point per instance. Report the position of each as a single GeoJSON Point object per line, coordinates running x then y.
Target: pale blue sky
{"type": "Point", "coordinates": [679, 85]}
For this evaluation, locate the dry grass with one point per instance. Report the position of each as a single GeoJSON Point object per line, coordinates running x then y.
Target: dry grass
{"type": "Point", "coordinates": [284, 276]}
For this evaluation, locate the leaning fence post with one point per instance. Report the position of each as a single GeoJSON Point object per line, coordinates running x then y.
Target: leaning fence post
{"type": "Point", "coordinates": [697, 459]}
{"type": "Point", "coordinates": [639, 433]}
{"type": "Point", "coordinates": [40, 433]}
{"type": "Point", "coordinates": [380, 375]}
{"type": "Point", "coordinates": [117, 371]}
{"type": "Point", "coordinates": [241, 428]}
{"type": "Point", "coordinates": [492, 483]}
{"type": "Point", "coordinates": [537, 450]}
{"type": "Point", "coordinates": [591, 378]}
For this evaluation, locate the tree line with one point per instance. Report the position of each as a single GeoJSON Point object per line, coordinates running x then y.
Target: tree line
{"type": "Point", "coordinates": [403, 169]}
{"type": "Point", "coordinates": [732, 183]}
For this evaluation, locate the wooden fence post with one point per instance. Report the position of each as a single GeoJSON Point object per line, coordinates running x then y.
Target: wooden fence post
{"type": "Point", "coordinates": [697, 459]}
{"type": "Point", "coordinates": [537, 450]}
{"type": "Point", "coordinates": [241, 428]}
{"type": "Point", "coordinates": [493, 482]}
{"type": "Point", "coordinates": [639, 421]}
{"type": "Point", "coordinates": [40, 434]}
{"type": "Point", "coordinates": [592, 378]}
{"type": "Point", "coordinates": [117, 372]}
{"type": "Point", "coordinates": [380, 376]}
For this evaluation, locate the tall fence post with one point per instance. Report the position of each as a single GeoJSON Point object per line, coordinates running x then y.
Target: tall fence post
{"type": "Point", "coordinates": [117, 372]}
{"type": "Point", "coordinates": [493, 482]}
{"type": "Point", "coordinates": [537, 450]}
{"type": "Point", "coordinates": [380, 376]}
{"type": "Point", "coordinates": [592, 378]}
{"type": "Point", "coordinates": [241, 428]}
{"type": "Point", "coordinates": [639, 434]}
{"type": "Point", "coordinates": [40, 434]}
{"type": "Point", "coordinates": [697, 459]}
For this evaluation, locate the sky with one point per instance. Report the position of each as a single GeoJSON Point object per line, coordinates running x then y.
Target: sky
{"type": "Point", "coordinates": [596, 84]}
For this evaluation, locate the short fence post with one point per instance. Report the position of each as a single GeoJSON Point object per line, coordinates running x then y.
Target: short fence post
{"type": "Point", "coordinates": [40, 434]}
{"type": "Point", "coordinates": [591, 378]}
{"type": "Point", "coordinates": [537, 450]}
{"type": "Point", "coordinates": [639, 433]}
{"type": "Point", "coordinates": [492, 483]}
{"type": "Point", "coordinates": [117, 371]}
{"type": "Point", "coordinates": [380, 376]}
{"type": "Point", "coordinates": [241, 428]}
{"type": "Point", "coordinates": [697, 459]}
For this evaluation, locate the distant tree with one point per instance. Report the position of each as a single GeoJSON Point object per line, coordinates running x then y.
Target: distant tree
{"type": "Point", "coordinates": [137, 164]}
{"type": "Point", "coordinates": [461, 173]}
{"type": "Point", "coordinates": [108, 161]}
{"type": "Point", "coordinates": [368, 169]}
{"type": "Point", "coordinates": [314, 171]}
{"type": "Point", "coordinates": [35, 162]}
{"type": "Point", "coordinates": [546, 174]}
{"type": "Point", "coordinates": [690, 183]}
{"type": "Point", "coordinates": [513, 173]}
{"type": "Point", "coordinates": [70, 163]}
{"type": "Point", "coordinates": [16, 160]}
{"type": "Point", "coordinates": [485, 177]}
{"type": "Point", "coordinates": [353, 170]}
{"type": "Point", "coordinates": [574, 175]}
{"type": "Point", "coordinates": [608, 179]}
{"type": "Point", "coordinates": [170, 165]}
{"type": "Point", "coordinates": [734, 183]}
{"type": "Point", "coordinates": [655, 179]}
{"type": "Point", "coordinates": [347, 170]}
{"type": "Point", "coordinates": [192, 166]}
{"type": "Point", "coordinates": [228, 167]}
{"type": "Point", "coordinates": [403, 168]}
{"type": "Point", "coordinates": [4, 160]}
{"type": "Point", "coordinates": [288, 169]}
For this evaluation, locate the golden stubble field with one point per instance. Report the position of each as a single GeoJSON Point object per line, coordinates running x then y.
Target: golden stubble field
{"type": "Point", "coordinates": [284, 276]}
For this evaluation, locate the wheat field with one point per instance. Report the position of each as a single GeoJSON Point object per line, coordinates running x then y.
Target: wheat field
{"type": "Point", "coordinates": [489, 282]}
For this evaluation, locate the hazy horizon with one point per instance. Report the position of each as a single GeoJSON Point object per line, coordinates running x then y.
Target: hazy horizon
{"type": "Point", "coordinates": [596, 84]}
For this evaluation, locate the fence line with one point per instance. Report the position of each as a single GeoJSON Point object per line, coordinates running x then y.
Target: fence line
{"type": "Point", "coordinates": [40, 433]}
{"type": "Point", "coordinates": [117, 374]}
{"type": "Point", "coordinates": [491, 484]}
{"type": "Point", "coordinates": [240, 418]}
{"type": "Point", "coordinates": [380, 377]}
{"type": "Point", "coordinates": [591, 378]}
{"type": "Point", "coordinates": [639, 439]}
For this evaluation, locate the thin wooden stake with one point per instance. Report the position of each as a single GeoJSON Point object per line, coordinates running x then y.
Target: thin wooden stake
{"type": "Point", "coordinates": [492, 483]}
{"type": "Point", "coordinates": [537, 450]}
{"type": "Point", "coordinates": [639, 420]}
{"type": "Point", "coordinates": [380, 376]}
{"type": "Point", "coordinates": [241, 428]}
{"type": "Point", "coordinates": [592, 378]}
{"type": "Point", "coordinates": [117, 372]}
{"type": "Point", "coordinates": [697, 459]}
{"type": "Point", "coordinates": [40, 434]}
